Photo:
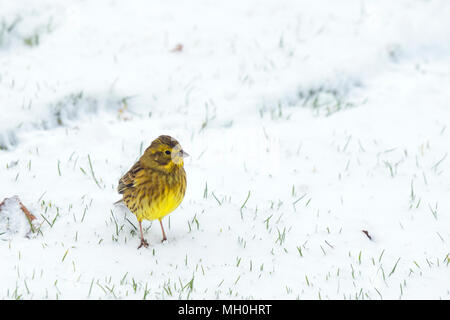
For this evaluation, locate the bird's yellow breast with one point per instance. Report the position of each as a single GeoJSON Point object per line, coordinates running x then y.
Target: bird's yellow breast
{"type": "Point", "coordinates": [155, 195]}
{"type": "Point", "coordinates": [158, 208]}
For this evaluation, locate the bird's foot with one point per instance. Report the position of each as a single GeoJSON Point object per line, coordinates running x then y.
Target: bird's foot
{"type": "Point", "coordinates": [163, 239]}
{"type": "Point", "coordinates": [144, 243]}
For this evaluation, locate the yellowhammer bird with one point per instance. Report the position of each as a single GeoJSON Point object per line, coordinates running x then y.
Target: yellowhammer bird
{"type": "Point", "coordinates": [156, 184]}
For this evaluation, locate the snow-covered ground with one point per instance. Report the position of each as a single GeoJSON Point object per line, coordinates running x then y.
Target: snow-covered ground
{"type": "Point", "coordinates": [307, 122]}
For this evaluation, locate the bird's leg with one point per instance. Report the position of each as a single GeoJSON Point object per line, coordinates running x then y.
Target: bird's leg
{"type": "Point", "coordinates": [143, 241]}
{"type": "Point", "coordinates": [162, 228]}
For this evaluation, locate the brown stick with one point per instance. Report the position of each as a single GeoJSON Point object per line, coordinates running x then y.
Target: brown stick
{"type": "Point", "coordinates": [367, 234]}
{"type": "Point", "coordinates": [27, 212]}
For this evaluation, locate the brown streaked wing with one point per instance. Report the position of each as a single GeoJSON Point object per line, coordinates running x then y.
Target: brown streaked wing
{"type": "Point", "coordinates": [128, 179]}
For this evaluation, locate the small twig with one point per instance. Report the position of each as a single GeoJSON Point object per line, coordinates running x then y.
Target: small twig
{"type": "Point", "coordinates": [367, 234]}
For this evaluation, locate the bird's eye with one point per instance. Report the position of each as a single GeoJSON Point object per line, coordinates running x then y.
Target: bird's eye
{"type": "Point", "coordinates": [167, 151]}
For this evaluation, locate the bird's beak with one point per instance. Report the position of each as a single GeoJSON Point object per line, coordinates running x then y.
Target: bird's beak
{"type": "Point", "coordinates": [184, 154]}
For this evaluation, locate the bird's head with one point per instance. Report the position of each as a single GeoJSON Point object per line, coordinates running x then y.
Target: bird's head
{"type": "Point", "coordinates": [164, 153]}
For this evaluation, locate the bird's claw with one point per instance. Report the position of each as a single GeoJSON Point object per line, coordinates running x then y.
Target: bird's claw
{"type": "Point", "coordinates": [144, 243]}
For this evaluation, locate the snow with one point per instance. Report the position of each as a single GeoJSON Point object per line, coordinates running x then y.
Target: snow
{"type": "Point", "coordinates": [306, 122]}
